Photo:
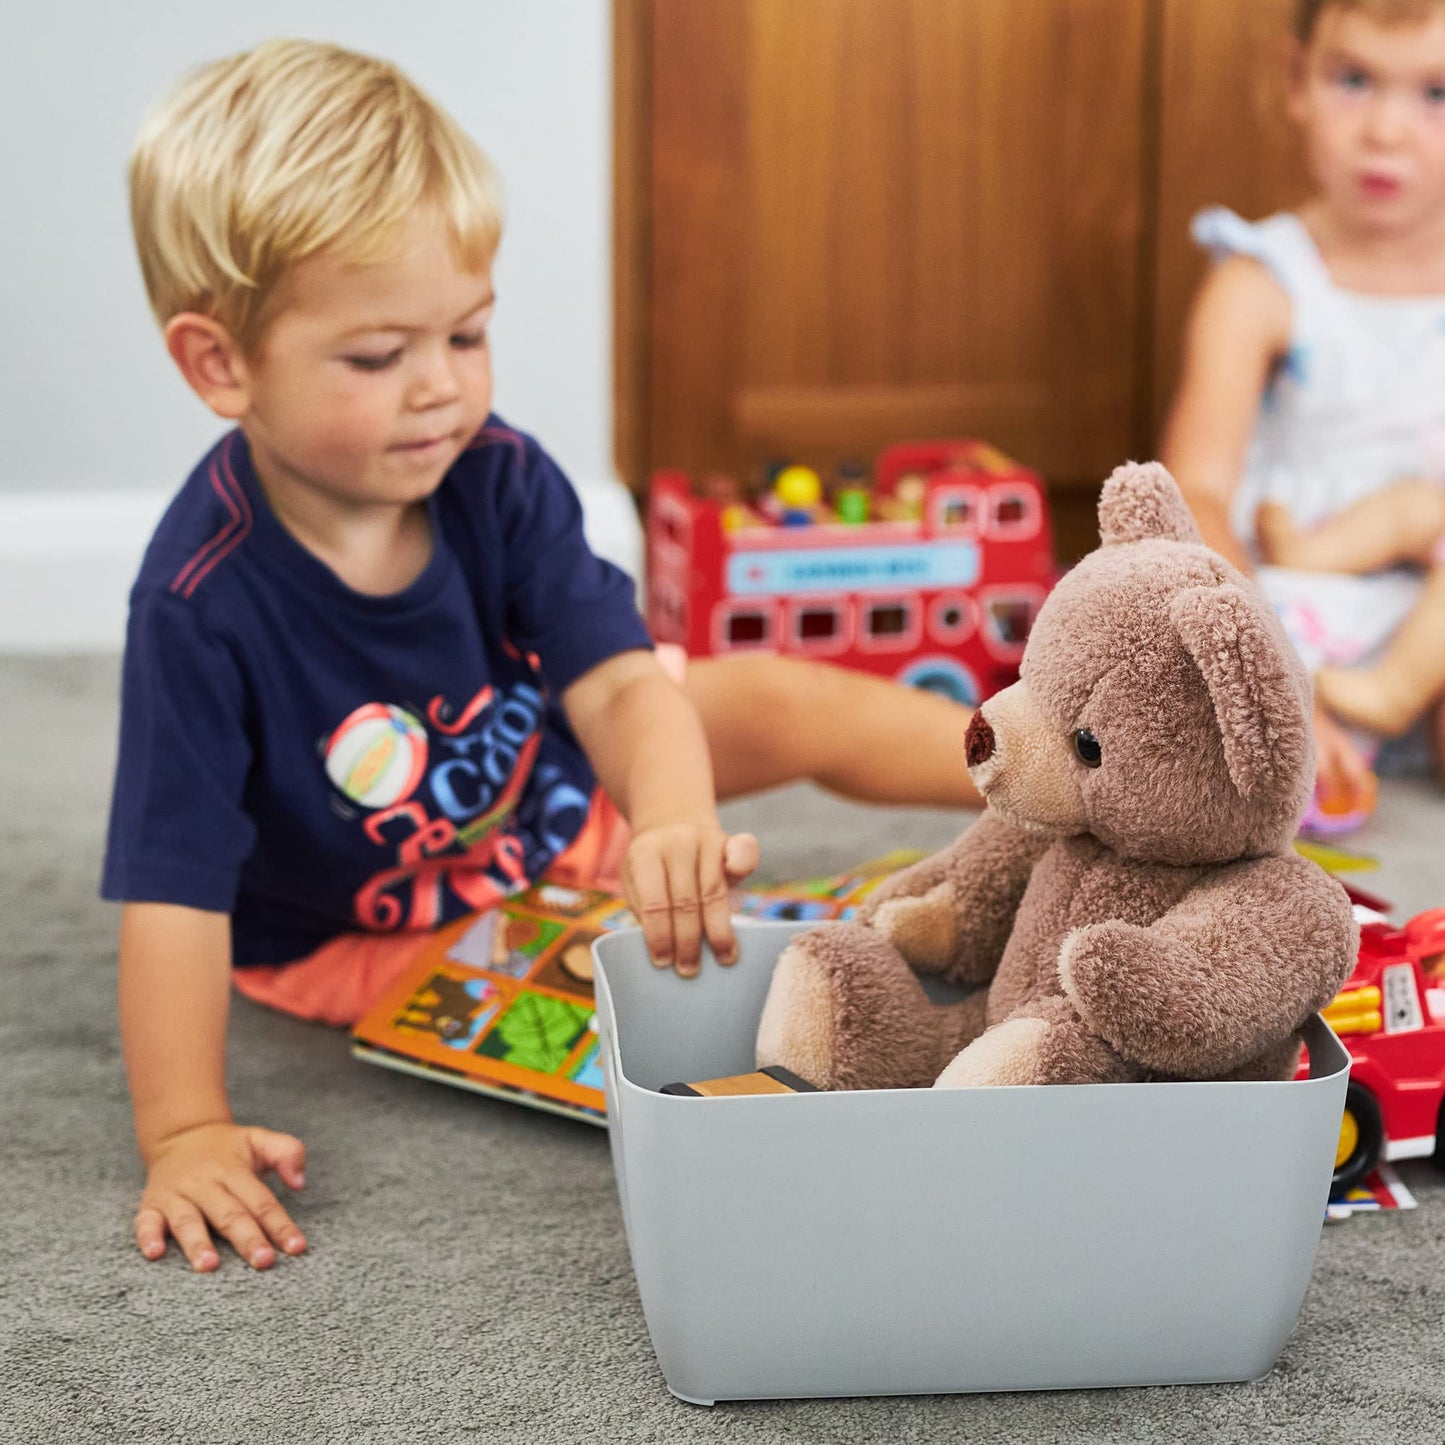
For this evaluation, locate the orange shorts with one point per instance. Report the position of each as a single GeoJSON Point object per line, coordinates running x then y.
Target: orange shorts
{"type": "Point", "coordinates": [340, 981]}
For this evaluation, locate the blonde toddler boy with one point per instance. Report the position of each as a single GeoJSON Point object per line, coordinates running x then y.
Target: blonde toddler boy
{"type": "Point", "coordinates": [374, 678]}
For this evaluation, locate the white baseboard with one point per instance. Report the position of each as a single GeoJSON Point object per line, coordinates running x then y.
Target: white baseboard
{"type": "Point", "coordinates": [67, 562]}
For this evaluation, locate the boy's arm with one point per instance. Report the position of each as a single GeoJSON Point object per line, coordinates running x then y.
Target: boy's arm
{"type": "Point", "coordinates": [647, 745]}
{"type": "Point", "coordinates": [202, 1168]}
{"type": "Point", "coordinates": [1238, 329]}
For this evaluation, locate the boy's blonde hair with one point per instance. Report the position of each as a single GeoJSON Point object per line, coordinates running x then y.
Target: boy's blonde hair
{"type": "Point", "coordinates": [293, 148]}
{"type": "Point", "coordinates": [1385, 12]}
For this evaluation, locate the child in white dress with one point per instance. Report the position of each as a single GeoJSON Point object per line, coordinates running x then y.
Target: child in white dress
{"type": "Point", "coordinates": [1314, 372]}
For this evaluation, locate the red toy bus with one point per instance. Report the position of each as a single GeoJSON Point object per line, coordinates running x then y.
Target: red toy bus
{"type": "Point", "coordinates": [941, 598]}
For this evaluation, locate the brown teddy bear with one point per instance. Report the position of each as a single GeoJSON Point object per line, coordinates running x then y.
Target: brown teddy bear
{"type": "Point", "coordinates": [1130, 897]}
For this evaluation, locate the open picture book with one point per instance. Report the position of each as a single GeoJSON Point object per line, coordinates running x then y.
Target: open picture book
{"type": "Point", "coordinates": [501, 1002]}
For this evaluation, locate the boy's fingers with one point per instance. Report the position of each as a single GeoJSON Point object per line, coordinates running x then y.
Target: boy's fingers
{"type": "Point", "coordinates": [740, 856]}
{"type": "Point", "coordinates": [284, 1153]}
{"type": "Point", "coordinates": [650, 904]}
{"type": "Point", "coordinates": [150, 1232]}
{"type": "Point", "coordinates": [270, 1214]}
{"type": "Point", "coordinates": [190, 1233]}
{"type": "Point", "coordinates": [717, 921]}
{"type": "Point", "coordinates": [233, 1221]}
{"type": "Point", "coordinates": [682, 889]}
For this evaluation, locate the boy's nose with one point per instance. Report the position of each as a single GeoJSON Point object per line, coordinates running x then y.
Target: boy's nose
{"type": "Point", "coordinates": [436, 386]}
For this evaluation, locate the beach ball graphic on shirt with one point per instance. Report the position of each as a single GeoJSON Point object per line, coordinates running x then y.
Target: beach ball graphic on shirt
{"type": "Point", "coordinates": [378, 755]}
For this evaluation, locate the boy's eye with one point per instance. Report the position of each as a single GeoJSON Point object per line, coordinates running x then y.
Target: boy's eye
{"type": "Point", "coordinates": [1352, 78]}
{"type": "Point", "coordinates": [375, 363]}
{"type": "Point", "coordinates": [466, 340]}
{"type": "Point", "coordinates": [1435, 94]}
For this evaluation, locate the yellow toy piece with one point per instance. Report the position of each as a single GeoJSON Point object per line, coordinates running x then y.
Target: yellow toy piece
{"type": "Point", "coordinates": [798, 488]}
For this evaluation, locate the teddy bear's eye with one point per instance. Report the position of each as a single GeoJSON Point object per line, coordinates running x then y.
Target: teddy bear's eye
{"type": "Point", "coordinates": [1088, 749]}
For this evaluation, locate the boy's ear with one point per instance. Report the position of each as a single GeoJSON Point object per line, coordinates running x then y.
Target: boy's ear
{"type": "Point", "coordinates": [207, 356]}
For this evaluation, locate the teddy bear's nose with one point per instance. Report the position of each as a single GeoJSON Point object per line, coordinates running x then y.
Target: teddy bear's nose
{"type": "Point", "coordinates": [978, 741]}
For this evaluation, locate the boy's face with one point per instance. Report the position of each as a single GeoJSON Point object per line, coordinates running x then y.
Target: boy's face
{"type": "Point", "coordinates": [371, 379]}
{"type": "Point", "coordinates": [1370, 99]}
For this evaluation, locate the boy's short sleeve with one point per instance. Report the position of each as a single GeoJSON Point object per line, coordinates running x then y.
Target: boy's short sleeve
{"type": "Point", "coordinates": [178, 829]}
{"type": "Point", "coordinates": [564, 603]}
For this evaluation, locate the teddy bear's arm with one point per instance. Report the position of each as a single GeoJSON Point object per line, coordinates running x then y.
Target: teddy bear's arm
{"type": "Point", "coordinates": [1231, 970]}
{"type": "Point", "coordinates": [952, 913]}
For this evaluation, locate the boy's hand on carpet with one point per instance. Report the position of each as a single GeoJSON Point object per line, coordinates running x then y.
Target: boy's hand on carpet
{"type": "Point", "coordinates": [677, 879]}
{"type": "Point", "coordinates": [209, 1178]}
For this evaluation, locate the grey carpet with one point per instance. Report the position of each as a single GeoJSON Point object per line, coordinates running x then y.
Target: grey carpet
{"type": "Point", "coordinates": [468, 1278]}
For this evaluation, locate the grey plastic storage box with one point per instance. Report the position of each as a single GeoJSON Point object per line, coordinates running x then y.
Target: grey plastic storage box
{"type": "Point", "coordinates": [906, 1241]}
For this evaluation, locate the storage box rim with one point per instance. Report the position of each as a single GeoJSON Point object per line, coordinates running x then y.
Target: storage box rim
{"type": "Point", "coordinates": [1328, 1056]}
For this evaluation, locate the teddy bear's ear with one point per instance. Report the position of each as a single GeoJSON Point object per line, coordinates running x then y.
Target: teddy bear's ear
{"type": "Point", "coordinates": [1142, 500]}
{"type": "Point", "coordinates": [1260, 697]}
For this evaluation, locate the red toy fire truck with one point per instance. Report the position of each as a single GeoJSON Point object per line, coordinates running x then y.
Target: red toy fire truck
{"type": "Point", "coordinates": [932, 576]}
{"type": "Point", "coordinates": [1390, 1015]}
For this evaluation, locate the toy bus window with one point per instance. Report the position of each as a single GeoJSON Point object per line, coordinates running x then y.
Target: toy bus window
{"type": "Point", "coordinates": [888, 619]}
{"type": "Point", "coordinates": [745, 628]}
{"type": "Point", "coordinates": [673, 525]}
{"type": "Point", "coordinates": [819, 624]}
{"type": "Point", "coordinates": [1009, 620]}
{"type": "Point", "coordinates": [950, 618]}
{"type": "Point", "coordinates": [1015, 512]}
{"type": "Point", "coordinates": [955, 509]}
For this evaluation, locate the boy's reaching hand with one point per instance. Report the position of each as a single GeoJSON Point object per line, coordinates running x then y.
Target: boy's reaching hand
{"type": "Point", "coordinates": [209, 1178]}
{"type": "Point", "coordinates": [677, 879]}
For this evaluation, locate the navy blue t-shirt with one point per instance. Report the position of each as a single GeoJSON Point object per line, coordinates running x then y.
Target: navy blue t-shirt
{"type": "Point", "coordinates": [314, 760]}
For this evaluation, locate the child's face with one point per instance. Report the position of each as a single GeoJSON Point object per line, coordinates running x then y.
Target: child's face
{"type": "Point", "coordinates": [1370, 99]}
{"type": "Point", "coordinates": [371, 379]}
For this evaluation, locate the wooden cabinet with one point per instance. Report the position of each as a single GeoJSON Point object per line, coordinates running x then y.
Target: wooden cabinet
{"type": "Point", "coordinates": [842, 223]}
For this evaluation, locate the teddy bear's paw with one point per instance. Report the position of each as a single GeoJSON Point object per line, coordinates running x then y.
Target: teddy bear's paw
{"type": "Point", "coordinates": [923, 929]}
{"type": "Point", "coordinates": [1008, 1053]}
{"type": "Point", "coordinates": [796, 1029]}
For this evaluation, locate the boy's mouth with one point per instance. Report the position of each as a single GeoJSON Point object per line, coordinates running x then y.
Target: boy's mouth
{"type": "Point", "coordinates": [422, 447]}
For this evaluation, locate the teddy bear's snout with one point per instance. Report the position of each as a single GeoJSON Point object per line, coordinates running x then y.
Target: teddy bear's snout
{"type": "Point", "coordinates": [978, 742]}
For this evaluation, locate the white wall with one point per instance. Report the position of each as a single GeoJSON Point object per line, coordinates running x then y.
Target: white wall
{"type": "Point", "coordinates": [98, 429]}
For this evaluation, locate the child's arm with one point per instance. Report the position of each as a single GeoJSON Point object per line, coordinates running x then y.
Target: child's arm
{"type": "Point", "coordinates": [647, 744]}
{"type": "Point", "coordinates": [202, 1168]}
{"type": "Point", "coordinates": [1238, 329]}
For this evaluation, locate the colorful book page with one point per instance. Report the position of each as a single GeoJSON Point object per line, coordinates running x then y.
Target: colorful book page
{"type": "Point", "coordinates": [501, 1002]}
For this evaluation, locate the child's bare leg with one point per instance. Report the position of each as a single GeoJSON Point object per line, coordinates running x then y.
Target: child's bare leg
{"type": "Point", "coordinates": [773, 720]}
{"type": "Point", "coordinates": [1399, 523]}
{"type": "Point", "coordinates": [1390, 696]}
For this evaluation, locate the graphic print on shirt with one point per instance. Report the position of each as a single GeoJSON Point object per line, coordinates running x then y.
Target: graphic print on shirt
{"type": "Point", "coordinates": [465, 813]}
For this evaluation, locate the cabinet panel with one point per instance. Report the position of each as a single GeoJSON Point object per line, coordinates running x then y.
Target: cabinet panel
{"type": "Point", "coordinates": [872, 219]}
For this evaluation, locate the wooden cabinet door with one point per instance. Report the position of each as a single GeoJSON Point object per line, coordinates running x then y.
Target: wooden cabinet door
{"type": "Point", "coordinates": [859, 221]}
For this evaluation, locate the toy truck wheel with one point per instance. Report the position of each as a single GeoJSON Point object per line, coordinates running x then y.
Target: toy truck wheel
{"type": "Point", "coordinates": [1362, 1136]}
